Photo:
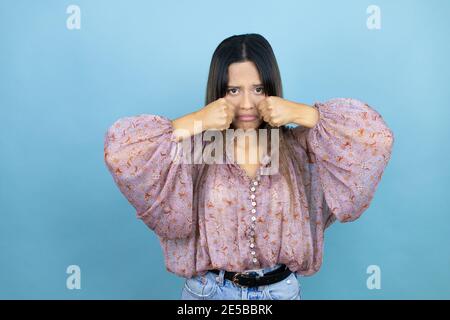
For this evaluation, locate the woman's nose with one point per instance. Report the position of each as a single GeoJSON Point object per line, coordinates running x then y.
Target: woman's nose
{"type": "Point", "coordinates": [247, 102]}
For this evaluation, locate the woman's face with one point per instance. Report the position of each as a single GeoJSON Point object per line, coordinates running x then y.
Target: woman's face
{"type": "Point", "coordinates": [244, 92]}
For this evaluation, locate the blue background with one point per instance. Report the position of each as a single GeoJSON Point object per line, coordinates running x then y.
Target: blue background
{"type": "Point", "coordinates": [60, 89]}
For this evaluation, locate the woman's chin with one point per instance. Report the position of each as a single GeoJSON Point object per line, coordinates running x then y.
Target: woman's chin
{"type": "Point", "coordinates": [246, 125]}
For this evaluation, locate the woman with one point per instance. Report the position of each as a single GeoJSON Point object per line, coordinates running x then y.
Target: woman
{"type": "Point", "coordinates": [231, 231]}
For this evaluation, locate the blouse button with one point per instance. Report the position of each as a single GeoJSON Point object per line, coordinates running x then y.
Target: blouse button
{"type": "Point", "coordinates": [252, 188]}
{"type": "Point", "coordinates": [253, 210]}
{"type": "Point", "coordinates": [253, 253]}
{"type": "Point", "coordinates": [252, 196]}
{"type": "Point", "coordinates": [253, 218]}
{"type": "Point", "coordinates": [255, 260]}
{"type": "Point", "coordinates": [255, 183]}
{"type": "Point", "coordinates": [252, 245]}
{"type": "Point", "coordinates": [254, 203]}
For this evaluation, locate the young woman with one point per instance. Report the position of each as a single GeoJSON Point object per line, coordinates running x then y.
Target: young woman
{"type": "Point", "coordinates": [231, 231]}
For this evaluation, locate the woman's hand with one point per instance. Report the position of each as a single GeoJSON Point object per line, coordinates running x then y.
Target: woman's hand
{"type": "Point", "coordinates": [278, 111]}
{"type": "Point", "coordinates": [218, 115]}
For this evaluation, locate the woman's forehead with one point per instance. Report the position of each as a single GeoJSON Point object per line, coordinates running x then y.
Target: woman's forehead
{"type": "Point", "coordinates": [243, 73]}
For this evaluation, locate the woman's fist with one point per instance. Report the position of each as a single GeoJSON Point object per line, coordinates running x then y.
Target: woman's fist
{"type": "Point", "coordinates": [275, 110]}
{"type": "Point", "coordinates": [217, 115]}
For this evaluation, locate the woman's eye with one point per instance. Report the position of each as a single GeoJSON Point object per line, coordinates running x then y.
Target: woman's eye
{"type": "Point", "coordinates": [234, 91]}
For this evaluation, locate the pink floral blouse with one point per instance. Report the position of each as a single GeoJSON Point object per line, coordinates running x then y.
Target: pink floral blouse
{"type": "Point", "coordinates": [233, 222]}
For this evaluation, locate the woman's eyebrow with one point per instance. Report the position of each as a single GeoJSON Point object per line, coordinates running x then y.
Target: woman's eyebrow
{"type": "Point", "coordinates": [254, 85]}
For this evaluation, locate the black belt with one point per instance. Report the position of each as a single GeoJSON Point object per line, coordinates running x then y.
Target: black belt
{"type": "Point", "coordinates": [245, 279]}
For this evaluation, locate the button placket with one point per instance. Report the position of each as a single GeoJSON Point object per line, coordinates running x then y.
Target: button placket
{"type": "Point", "coordinates": [253, 185]}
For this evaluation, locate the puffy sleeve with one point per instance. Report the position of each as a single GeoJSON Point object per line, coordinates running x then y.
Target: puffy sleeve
{"type": "Point", "coordinates": [139, 153]}
{"type": "Point", "coordinates": [350, 146]}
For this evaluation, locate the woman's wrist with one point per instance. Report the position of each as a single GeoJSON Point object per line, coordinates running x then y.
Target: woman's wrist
{"type": "Point", "coordinates": [188, 125]}
{"type": "Point", "coordinates": [304, 115]}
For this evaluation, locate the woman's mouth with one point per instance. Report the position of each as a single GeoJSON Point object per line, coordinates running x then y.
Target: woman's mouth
{"type": "Point", "coordinates": [247, 118]}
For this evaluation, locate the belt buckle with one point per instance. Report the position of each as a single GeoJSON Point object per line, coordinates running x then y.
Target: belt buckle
{"type": "Point", "coordinates": [236, 281]}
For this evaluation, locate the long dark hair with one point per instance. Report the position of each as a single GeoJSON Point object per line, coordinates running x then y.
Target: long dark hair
{"type": "Point", "coordinates": [240, 48]}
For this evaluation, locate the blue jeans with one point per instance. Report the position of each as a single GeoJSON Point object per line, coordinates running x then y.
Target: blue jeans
{"type": "Point", "coordinates": [213, 286]}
